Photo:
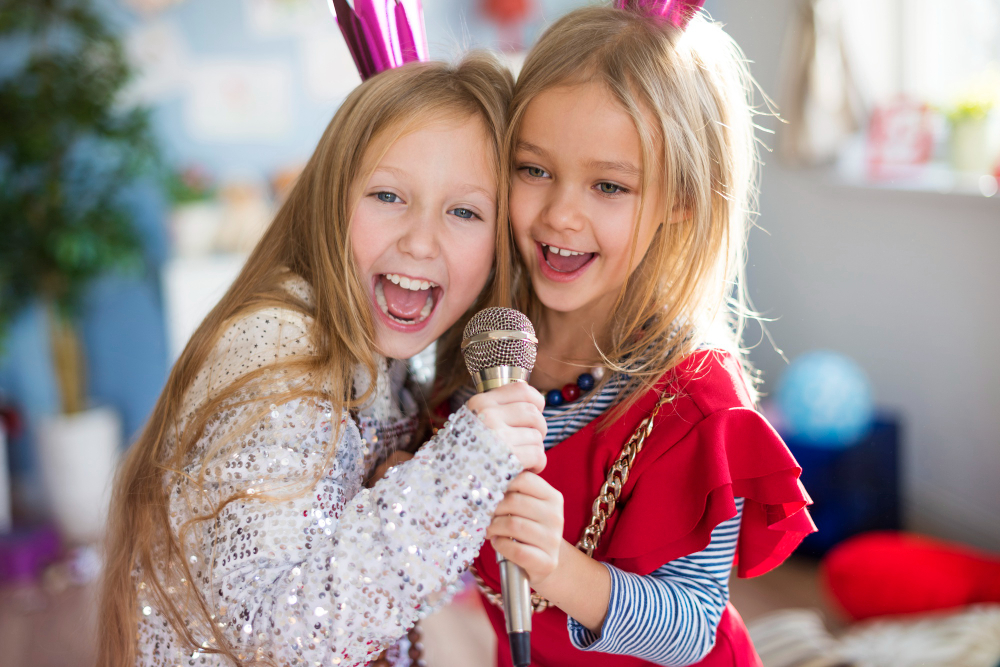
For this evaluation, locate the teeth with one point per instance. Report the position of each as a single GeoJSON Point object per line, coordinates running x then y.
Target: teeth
{"type": "Point", "coordinates": [424, 312]}
{"type": "Point", "coordinates": [380, 298]}
{"type": "Point", "coordinates": [563, 251]}
{"type": "Point", "coordinates": [410, 283]}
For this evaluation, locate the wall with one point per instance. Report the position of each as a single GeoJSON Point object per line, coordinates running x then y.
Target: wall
{"type": "Point", "coordinates": [905, 283]}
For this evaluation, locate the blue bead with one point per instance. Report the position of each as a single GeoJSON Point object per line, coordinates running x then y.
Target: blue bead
{"type": "Point", "coordinates": [554, 397]}
{"type": "Point", "coordinates": [585, 381]}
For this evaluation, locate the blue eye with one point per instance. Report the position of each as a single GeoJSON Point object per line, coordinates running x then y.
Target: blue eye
{"type": "Point", "coordinates": [610, 188]}
{"type": "Point", "coordinates": [387, 197]}
{"type": "Point", "coordinates": [463, 213]}
{"type": "Point", "coordinates": [535, 172]}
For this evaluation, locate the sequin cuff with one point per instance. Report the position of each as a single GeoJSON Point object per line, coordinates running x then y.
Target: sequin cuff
{"type": "Point", "coordinates": [437, 506]}
{"type": "Point", "coordinates": [461, 475]}
{"type": "Point", "coordinates": [466, 431]}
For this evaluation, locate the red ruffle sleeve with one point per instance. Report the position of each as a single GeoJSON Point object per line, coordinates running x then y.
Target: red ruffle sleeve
{"type": "Point", "coordinates": [737, 454]}
{"type": "Point", "coordinates": [707, 448]}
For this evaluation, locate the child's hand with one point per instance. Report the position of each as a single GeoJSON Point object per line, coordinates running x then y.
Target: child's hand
{"type": "Point", "coordinates": [394, 459]}
{"type": "Point", "coordinates": [514, 413]}
{"type": "Point", "coordinates": [532, 514]}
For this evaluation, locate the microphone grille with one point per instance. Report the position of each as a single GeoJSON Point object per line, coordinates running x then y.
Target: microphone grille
{"type": "Point", "coordinates": [492, 353]}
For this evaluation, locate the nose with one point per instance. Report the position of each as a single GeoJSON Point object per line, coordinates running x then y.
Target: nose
{"type": "Point", "coordinates": [420, 238]}
{"type": "Point", "coordinates": [563, 210]}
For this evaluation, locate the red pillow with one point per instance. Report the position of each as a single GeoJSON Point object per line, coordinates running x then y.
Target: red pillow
{"type": "Point", "coordinates": [889, 573]}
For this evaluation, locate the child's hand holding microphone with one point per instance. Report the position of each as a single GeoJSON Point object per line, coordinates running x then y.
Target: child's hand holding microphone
{"type": "Point", "coordinates": [514, 413]}
{"type": "Point", "coordinates": [527, 527]}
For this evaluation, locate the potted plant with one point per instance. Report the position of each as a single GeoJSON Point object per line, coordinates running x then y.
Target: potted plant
{"type": "Point", "coordinates": [974, 136]}
{"type": "Point", "coordinates": [970, 137]}
{"type": "Point", "coordinates": [196, 214]}
{"type": "Point", "coordinates": [67, 150]}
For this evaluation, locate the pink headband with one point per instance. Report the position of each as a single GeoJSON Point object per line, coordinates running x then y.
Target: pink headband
{"type": "Point", "coordinates": [382, 34]}
{"type": "Point", "coordinates": [678, 12]}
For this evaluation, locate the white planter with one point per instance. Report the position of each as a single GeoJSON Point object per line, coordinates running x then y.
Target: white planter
{"type": "Point", "coordinates": [195, 228]}
{"type": "Point", "coordinates": [971, 146]}
{"type": "Point", "coordinates": [78, 454]}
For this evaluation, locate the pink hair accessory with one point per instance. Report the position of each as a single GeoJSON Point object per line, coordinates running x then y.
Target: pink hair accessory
{"type": "Point", "coordinates": [678, 12]}
{"type": "Point", "coordinates": [382, 34]}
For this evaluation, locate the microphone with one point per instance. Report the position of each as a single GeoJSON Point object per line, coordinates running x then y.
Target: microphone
{"type": "Point", "coordinates": [499, 346]}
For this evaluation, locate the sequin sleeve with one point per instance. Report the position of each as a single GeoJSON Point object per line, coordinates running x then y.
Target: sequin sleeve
{"type": "Point", "coordinates": [335, 574]}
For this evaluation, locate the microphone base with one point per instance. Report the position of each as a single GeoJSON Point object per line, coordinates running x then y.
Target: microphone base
{"type": "Point", "coordinates": [520, 648]}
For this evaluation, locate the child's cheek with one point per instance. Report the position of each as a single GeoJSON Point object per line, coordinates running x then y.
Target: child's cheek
{"type": "Point", "coordinates": [472, 269]}
{"type": "Point", "coordinates": [368, 238]}
{"type": "Point", "coordinates": [520, 210]}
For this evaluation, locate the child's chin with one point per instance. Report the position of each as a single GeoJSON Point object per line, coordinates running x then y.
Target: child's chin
{"type": "Point", "coordinates": [402, 345]}
{"type": "Point", "coordinates": [555, 298]}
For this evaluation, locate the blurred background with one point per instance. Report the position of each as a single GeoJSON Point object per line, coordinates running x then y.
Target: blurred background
{"type": "Point", "coordinates": [144, 145]}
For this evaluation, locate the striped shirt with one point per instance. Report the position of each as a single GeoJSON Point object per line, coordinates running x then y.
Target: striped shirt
{"type": "Point", "coordinates": [670, 616]}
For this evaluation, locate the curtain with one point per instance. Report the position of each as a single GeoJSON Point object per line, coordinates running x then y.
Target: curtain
{"type": "Point", "coordinates": [820, 102]}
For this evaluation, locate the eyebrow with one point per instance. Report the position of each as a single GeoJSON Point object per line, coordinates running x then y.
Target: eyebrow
{"type": "Point", "coordinates": [616, 165]}
{"type": "Point", "coordinates": [392, 170]}
{"type": "Point", "coordinates": [610, 165]}
{"type": "Point", "coordinates": [469, 187]}
{"type": "Point", "coordinates": [532, 148]}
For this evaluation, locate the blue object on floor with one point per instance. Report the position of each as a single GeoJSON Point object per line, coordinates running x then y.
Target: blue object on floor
{"type": "Point", "coordinates": [854, 489]}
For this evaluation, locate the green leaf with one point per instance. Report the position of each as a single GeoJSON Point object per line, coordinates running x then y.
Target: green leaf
{"type": "Point", "coordinates": [67, 149]}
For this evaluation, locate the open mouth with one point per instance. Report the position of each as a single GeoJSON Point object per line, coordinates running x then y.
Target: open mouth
{"type": "Point", "coordinates": [405, 300]}
{"type": "Point", "coordinates": [563, 260]}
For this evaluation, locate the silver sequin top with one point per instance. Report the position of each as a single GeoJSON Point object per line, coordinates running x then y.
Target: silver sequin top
{"type": "Point", "coordinates": [334, 574]}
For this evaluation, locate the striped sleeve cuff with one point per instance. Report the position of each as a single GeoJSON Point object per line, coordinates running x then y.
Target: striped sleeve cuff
{"type": "Point", "coordinates": [585, 639]}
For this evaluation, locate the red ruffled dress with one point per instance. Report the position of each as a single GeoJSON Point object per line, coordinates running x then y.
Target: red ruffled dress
{"type": "Point", "coordinates": [707, 447]}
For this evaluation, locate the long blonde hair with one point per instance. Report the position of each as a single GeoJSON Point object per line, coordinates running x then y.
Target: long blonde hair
{"type": "Point", "coordinates": [689, 94]}
{"type": "Point", "coordinates": [309, 237]}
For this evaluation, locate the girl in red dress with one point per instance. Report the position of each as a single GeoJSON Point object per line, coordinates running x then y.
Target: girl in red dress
{"type": "Point", "coordinates": [631, 141]}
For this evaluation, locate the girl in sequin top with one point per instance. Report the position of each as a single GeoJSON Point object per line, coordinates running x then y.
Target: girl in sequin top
{"type": "Point", "coordinates": [241, 532]}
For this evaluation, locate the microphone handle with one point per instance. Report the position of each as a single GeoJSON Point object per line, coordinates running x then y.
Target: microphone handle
{"type": "Point", "coordinates": [516, 610]}
{"type": "Point", "coordinates": [514, 585]}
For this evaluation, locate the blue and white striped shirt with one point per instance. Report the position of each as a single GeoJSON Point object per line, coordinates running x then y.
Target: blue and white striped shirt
{"type": "Point", "coordinates": [670, 616]}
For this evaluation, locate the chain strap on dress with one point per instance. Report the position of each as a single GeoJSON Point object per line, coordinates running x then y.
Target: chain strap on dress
{"type": "Point", "coordinates": [538, 603]}
{"type": "Point", "coordinates": [603, 507]}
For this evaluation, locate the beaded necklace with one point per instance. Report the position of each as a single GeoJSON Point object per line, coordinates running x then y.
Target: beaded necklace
{"type": "Point", "coordinates": [574, 390]}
